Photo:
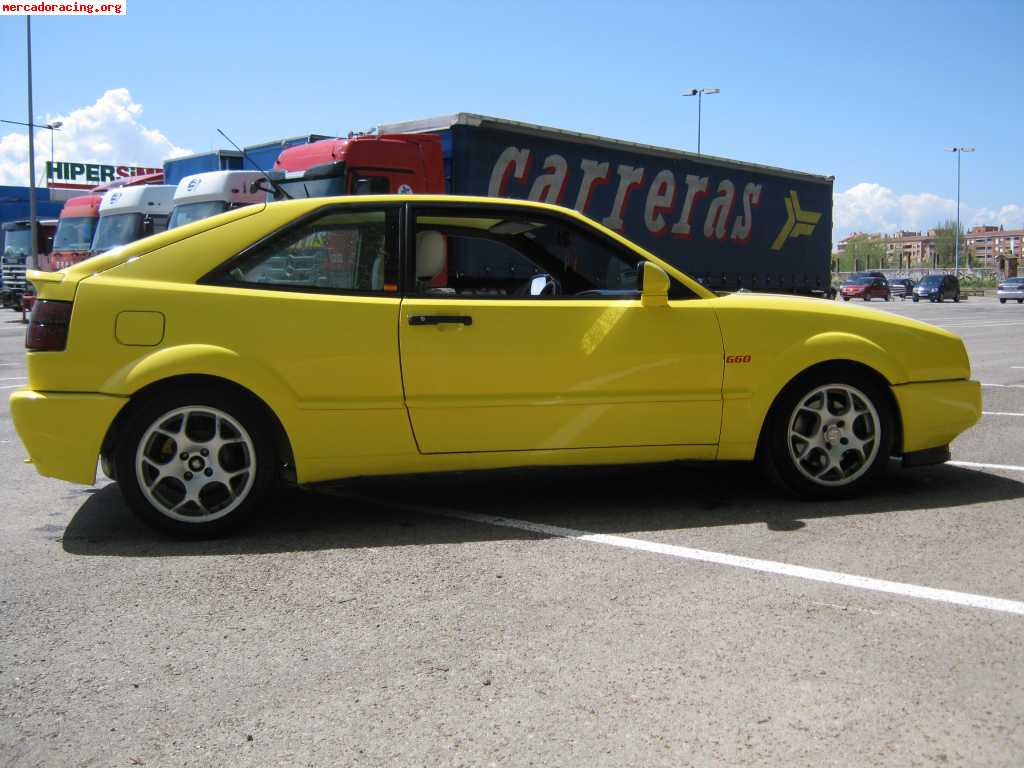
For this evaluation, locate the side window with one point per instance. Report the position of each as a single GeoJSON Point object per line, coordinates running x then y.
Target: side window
{"type": "Point", "coordinates": [336, 251]}
{"type": "Point", "coordinates": [518, 254]}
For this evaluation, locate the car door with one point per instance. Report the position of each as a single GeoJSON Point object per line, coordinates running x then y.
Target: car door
{"type": "Point", "coordinates": [525, 331]}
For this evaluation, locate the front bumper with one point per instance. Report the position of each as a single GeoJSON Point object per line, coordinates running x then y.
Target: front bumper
{"type": "Point", "coordinates": [935, 412]}
{"type": "Point", "coordinates": [1010, 294]}
{"type": "Point", "coordinates": [63, 432]}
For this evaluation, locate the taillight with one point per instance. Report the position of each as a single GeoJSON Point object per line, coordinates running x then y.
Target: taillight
{"type": "Point", "coordinates": [48, 326]}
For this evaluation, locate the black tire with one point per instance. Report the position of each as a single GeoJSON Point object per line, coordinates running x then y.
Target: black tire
{"type": "Point", "coordinates": [1003, 301]}
{"type": "Point", "coordinates": [916, 299]}
{"type": "Point", "coordinates": [240, 424]}
{"type": "Point", "coordinates": [956, 299]}
{"type": "Point", "coordinates": [867, 298]}
{"type": "Point", "coordinates": [846, 298]}
{"type": "Point", "coordinates": [1020, 301]}
{"type": "Point", "coordinates": [777, 460]}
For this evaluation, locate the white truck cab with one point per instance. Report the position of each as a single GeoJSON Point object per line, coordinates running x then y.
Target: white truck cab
{"type": "Point", "coordinates": [128, 214]}
{"type": "Point", "coordinates": [202, 195]}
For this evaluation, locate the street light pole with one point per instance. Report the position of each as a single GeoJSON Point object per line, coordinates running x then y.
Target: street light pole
{"type": "Point", "coordinates": [958, 151]}
{"type": "Point", "coordinates": [700, 93]}
{"type": "Point", "coordinates": [31, 152]}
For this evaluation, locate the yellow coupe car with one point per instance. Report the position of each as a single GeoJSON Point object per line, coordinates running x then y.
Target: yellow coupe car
{"type": "Point", "coordinates": [317, 339]}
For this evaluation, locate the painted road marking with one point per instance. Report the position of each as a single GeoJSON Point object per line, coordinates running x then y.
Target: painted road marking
{"type": "Point", "coordinates": [1000, 413]}
{"type": "Point", "coordinates": [1003, 386]}
{"type": "Point", "coordinates": [14, 378]}
{"type": "Point", "coordinates": [736, 561]}
{"type": "Point", "coordinates": [13, 386]}
{"type": "Point", "coordinates": [977, 465]}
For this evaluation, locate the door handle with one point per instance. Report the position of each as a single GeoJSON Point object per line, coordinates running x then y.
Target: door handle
{"type": "Point", "coordinates": [439, 319]}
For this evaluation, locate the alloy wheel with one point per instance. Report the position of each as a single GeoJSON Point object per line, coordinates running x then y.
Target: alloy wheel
{"type": "Point", "coordinates": [833, 435]}
{"type": "Point", "coordinates": [195, 464]}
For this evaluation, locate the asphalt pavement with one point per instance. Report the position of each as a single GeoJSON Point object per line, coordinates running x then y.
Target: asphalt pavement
{"type": "Point", "coordinates": [667, 615]}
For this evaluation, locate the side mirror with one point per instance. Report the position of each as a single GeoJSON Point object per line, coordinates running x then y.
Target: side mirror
{"type": "Point", "coordinates": [654, 286]}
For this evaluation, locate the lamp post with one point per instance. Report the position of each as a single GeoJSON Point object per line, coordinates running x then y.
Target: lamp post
{"type": "Point", "coordinates": [700, 93]}
{"type": "Point", "coordinates": [958, 151]}
{"type": "Point", "coordinates": [51, 127]}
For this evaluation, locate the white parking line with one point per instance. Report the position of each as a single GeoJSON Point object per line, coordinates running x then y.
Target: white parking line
{"type": "Point", "coordinates": [1003, 386]}
{"type": "Point", "coordinates": [14, 378]}
{"type": "Point", "coordinates": [977, 465]}
{"type": "Point", "coordinates": [736, 561]}
{"type": "Point", "coordinates": [1000, 413]}
{"type": "Point", "coordinates": [13, 386]}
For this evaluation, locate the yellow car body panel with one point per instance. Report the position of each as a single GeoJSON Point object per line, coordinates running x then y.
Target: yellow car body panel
{"type": "Point", "coordinates": [935, 412]}
{"type": "Point", "coordinates": [615, 374]}
{"type": "Point", "coordinates": [63, 432]}
{"type": "Point", "coordinates": [358, 390]}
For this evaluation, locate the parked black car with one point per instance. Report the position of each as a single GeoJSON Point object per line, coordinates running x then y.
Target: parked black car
{"type": "Point", "coordinates": [938, 288]}
{"type": "Point", "coordinates": [902, 287]}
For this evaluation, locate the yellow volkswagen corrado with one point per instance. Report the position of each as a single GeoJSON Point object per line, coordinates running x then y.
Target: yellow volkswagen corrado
{"type": "Point", "coordinates": [318, 339]}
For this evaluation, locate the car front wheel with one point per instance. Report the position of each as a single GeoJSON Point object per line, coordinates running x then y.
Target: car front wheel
{"type": "Point", "coordinates": [195, 464]}
{"type": "Point", "coordinates": [828, 435]}
{"type": "Point", "coordinates": [1003, 301]}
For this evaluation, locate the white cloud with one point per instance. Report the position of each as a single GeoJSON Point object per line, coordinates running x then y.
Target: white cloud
{"type": "Point", "coordinates": [869, 207]}
{"type": "Point", "coordinates": [107, 131]}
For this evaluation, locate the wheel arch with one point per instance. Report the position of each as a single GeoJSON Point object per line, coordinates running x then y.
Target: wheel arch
{"type": "Point", "coordinates": [840, 367]}
{"type": "Point", "coordinates": [282, 443]}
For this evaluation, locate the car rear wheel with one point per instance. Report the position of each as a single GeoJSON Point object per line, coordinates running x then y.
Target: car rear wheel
{"type": "Point", "coordinates": [829, 434]}
{"type": "Point", "coordinates": [846, 298]}
{"type": "Point", "coordinates": [956, 299]}
{"type": "Point", "coordinates": [196, 464]}
{"type": "Point", "coordinates": [1003, 301]}
{"type": "Point", "coordinates": [916, 299]}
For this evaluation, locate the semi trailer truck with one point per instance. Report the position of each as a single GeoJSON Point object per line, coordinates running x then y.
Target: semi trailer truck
{"type": "Point", "coordinates": [131, 213]}
{"type": "Point", "coordinates": [732, 225]}
{"type": "Point", "coordinates": [206, 194]}
{"type": "Point", "coordinates": [15, 246]}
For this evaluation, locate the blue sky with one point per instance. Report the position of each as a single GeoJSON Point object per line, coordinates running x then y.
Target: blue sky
{"type": "Point", "coordinates": [868, 92]}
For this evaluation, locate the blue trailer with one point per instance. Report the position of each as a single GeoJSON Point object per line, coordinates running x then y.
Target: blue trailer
{"type": "Point", "coordinates": [178, 168]}
{"type": "Point", "coordinates": [729, 224]}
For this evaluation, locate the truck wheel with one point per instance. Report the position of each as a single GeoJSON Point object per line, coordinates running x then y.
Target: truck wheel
{"type": "Point", "coordinates": [828, 434]}
{"type": "Point", "coordinates": [195, 464]}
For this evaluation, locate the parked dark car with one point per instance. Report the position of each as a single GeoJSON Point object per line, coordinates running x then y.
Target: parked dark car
{"type": "Point", "coordinates": [938, 288]}
{"type": "Point", "coordinates": [1012, 288]}
{"type": "Point", "coordinates": [865, 287]}
{"type": "Point", "coordinates": [902, 287]}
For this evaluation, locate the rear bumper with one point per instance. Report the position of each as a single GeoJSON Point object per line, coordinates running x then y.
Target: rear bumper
{"type": "Point", "coordinates": [63, 432]}
{"type": "Point", "coordinates": [933, 413]}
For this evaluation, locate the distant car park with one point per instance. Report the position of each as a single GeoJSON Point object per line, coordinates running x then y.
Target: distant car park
{"type": "Point", "coordinates": [1011, 289]}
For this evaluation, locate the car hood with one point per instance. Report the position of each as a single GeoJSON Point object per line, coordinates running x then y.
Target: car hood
{"type": "Point", "coordinates": [903, 350]}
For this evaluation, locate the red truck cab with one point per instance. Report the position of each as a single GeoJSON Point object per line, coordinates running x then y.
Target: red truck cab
{"type": "Point", "coordinates": [362, 165]}
{"type": "Point", "coordinates": [75, 228]}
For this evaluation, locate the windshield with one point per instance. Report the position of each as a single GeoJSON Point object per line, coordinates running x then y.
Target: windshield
{"type": "Point", "coordinates": [117, 229]}
{"type": "Point", "coordinates": [16, 243]}
{"type": "Point", "coordinates": [75, 233]}
{"type": "Point", "coordinates": [312, 188]}
{"type": "Point", "coordinates": [860, 281]}
{"type": "Point", "coordinates": [932, 280]}
{"type": "Point", "coordinates": [189, 212]}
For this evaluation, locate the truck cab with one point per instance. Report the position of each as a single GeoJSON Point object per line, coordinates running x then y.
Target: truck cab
{"type": "Point", "coordinates": [361, 165]}
{"type": "Point", "coordinates": [202, 195]}
{"type": "Point", "coordinates": [75, 229]}
{"type": "Point", "coordinates": [128, 214]}
{"type": "Point", "coordinates": [15, 246]}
